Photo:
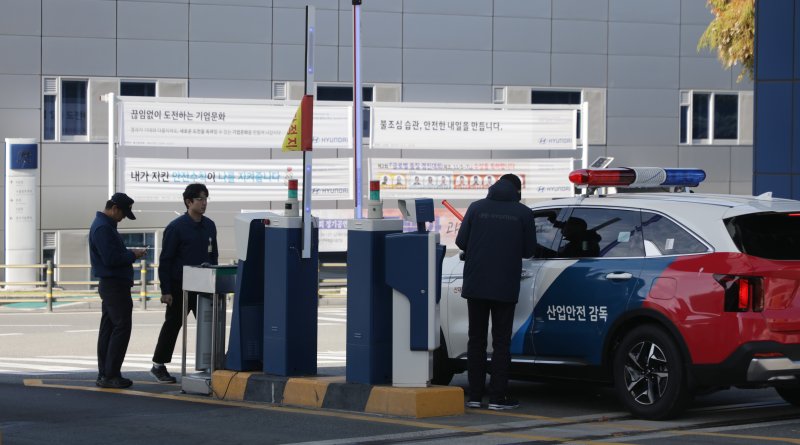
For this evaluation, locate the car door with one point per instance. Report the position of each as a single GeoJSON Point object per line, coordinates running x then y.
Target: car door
{"type": "Point", "coordinates": [587, 284]}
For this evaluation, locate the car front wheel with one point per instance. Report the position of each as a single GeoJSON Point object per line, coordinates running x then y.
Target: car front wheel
{"type": "Point", "coordinates": [649, 375]}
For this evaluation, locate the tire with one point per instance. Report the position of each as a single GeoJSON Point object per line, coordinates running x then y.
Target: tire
{"type": "Point", "coordinates": [443, 372]}
{"type": "Point", "coordinates": [790, 394]}
{"type": "Point", "coordinates": [649, 374]}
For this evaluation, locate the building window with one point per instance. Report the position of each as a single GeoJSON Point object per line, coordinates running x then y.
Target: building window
{"type": "Point", "coordinates": [709, 117]}
{"type": "Point", "coordinates": [345, 94]}
{"type": "Point", "coordinates": [559, 97]}
{"type": "Point", "coordinates": [74, 107]}
{"type": "Point", "coordinates": [137, 88]}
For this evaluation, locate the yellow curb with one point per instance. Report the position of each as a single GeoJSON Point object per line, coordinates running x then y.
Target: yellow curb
{"type": "Point", "coordinates": [229, 385]}
{"type": "Point", "coordinates": [305, 392]}
{"type": "Point", "coordinates": [433, 401]}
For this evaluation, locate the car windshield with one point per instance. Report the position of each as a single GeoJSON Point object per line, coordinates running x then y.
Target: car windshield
{"type": "Point", "coordinates": [774, 236]}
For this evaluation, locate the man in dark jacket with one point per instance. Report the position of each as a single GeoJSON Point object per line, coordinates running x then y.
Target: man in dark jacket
{"type": "Point", "coordinates": [497, 232]}
{"type": "Point", "coordinates": [112, 263]}
{"type": "Point", "coordinates": [189, 240]}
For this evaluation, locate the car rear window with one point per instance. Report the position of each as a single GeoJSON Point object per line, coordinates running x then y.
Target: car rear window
{"type": "Point", "coordinates": [770, 235]}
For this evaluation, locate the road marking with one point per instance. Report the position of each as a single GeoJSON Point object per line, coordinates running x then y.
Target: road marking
{"type": "Point", "coordinates": [11, 333]}
{"type": "Point", "coordinates": [81, 330]}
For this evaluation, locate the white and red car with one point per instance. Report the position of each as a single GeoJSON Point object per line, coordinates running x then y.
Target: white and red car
{"type": "Point", "coordinates": [663, 294]}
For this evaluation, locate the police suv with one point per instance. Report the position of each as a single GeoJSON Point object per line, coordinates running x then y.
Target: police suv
{"type": "Point", "coordinates": [664, 294]}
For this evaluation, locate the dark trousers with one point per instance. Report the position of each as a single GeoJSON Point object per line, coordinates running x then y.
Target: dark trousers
{"type": "Point", "coordinates": [173, 320]}
{"type": "Point", "coordinates": [115, 325]}
{"type": "Point", "coordinates": [502, 315]}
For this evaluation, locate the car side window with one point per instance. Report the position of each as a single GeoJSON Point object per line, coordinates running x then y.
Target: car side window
{"type": "Point", "coordinates": [546, 232]}
{"type": "Point", "coordinates": [595, 232]}
{"type": "Point", "coordinates": [663, 236]}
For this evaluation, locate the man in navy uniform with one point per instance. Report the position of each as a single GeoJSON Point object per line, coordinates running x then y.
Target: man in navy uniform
{"type": "Point", "coordinates": [112, 263]}
{"type": "Point", "coordinates": [189, 240]}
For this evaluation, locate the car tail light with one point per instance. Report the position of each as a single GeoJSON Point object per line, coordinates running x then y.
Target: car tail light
{"type": "Point", "coordinates": [742, 293]}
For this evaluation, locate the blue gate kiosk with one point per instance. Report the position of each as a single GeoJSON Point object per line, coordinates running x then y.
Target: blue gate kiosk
{"type": "Point", "coordinates": [414, 271]}
{"type": "Point", "coordinates": [290, 297]}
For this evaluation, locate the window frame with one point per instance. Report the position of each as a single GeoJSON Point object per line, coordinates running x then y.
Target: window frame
{"type": "Point", "coordinates": [580, 91]}
{"type": "Point", "coordinates": [571, 211]}
{"type": "Point", "coordinates": [687, 102]}
{"type": "Point", "coordinates": [709, 248]}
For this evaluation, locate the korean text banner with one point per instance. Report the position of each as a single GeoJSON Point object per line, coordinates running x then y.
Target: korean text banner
{"type": "Point", "coordinates": [162, 180]}
{"type": "Point", "coordinates": [469, 179]}
{"type": "Point", "coordinates": [461, 128]}
{"type": "Point", "coordinates": [178, 124]}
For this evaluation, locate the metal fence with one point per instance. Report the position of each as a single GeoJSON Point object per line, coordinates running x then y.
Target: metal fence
{"type": "Point", "coordinates": [50, 290]}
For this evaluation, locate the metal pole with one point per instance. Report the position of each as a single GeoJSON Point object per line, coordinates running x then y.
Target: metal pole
{"type": "Point", "coordinates": [358, 112]}
{"type": "Point", "coordinates": [307, 155]}
{"type": "Point", "coordinates": [111, 148]}
{"type": "Point", "coordinates": [585, 134]}
{"type": "Point", "coordinates": [143, 284]}
{"type": "Point", "coordinates": [49, 292]}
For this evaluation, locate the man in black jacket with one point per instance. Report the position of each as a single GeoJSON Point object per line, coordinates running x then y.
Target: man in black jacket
{"type": "Point", "coordinates": [497, 232]}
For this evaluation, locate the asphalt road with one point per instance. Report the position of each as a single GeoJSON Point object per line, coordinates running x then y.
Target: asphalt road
{"type": "Point", "coordinates": [47, 395]}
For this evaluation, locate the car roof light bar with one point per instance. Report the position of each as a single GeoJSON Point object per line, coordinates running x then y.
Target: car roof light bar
{"type": "Point", "coordinates": [637, 177]}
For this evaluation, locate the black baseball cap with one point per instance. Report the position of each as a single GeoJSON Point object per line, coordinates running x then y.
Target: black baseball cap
{"type": "Point", "coordinates": [124, 202]}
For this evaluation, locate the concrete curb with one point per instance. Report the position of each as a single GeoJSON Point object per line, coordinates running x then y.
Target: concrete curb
{"type": "Point", "coordinates": [335, 393]}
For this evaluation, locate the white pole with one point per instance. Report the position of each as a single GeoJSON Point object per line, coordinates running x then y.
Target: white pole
{"type": "Point", "coordinates": [307, 155]}
{"type": "Point", "coordinates": [112, 165]}
{"type": "Point", "coordinates": [585, 134]}
{"type": "Point", "coordinates": [358, 112]}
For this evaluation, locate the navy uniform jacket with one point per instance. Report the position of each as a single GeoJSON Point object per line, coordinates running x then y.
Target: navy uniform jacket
{"type": "Point", "coordinates": [497, 232]}
{"type": "Point", "coordinates": [185, 243]}
{"type": "Point", "coordinates": [107, 252]}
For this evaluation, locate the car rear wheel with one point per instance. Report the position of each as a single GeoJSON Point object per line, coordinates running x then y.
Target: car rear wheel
{"type": "Point", "coordinates": [790, 394]}
{"type": "Point", "coordinates": [649, 375]}
{"type": "Point", "coordinates": [442, 370]}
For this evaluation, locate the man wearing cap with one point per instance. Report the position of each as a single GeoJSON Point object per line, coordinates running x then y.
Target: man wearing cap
{"type": "Point", "coordinates": [496, 234]}
{"type": "Point", "coordinates": [112, 263]}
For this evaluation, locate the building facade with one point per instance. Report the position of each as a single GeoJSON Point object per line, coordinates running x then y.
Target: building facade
{"type": "Point", "coordinates": [653, 98]}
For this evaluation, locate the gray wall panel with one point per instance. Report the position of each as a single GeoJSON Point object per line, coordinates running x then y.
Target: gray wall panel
{"type": "Point", "coordinates": [152, 58]}
{"type": "Point", "coordinates": [373, 5]}
{"type": "Point", "coordinates": [20, 17]}
{"type": "Point", "coordinates": [287, 26]}
{"type": "Point", "coordinates": [645, 11]}
{"type": "Point", "coordinates": [742, 188]}
{"type": "Point", "coordinates": [517, 68]}
{"type": "Point", "coordinates": [690, 35]}
{"type": "Point", "coordinates": [289, 62]}
{"type": "Point", "coordinates": [20, 55]}
{"type": "Point", "coordinates": [642, 72]}
{"type": "Point", "coordinates": [79, 57]}
{"type": "Point", "coordinates": [79, 18]}
{"type": "Point", "coordinates": [378, 29]}
{"type": "Point", "coordinates": [461, 7]}
{"type": "Point", "coordinates": [59, 209]}
{"type": "Point", "coordinates": [377, 64]}
{"type": "Point", "coordinates": [264, 3]}
{"type": "Point", "coordinates": [580, 37]}
{"type": "Point", "coordinates": [60, 162]}
{"type": "Point", "coordinates": [521, 34]}
{"type": "Point", "coordinates": [695, 12]}
{"type": "Point", "coordinates": [326, 64]}
{"type": "Point", "coordinates": [715, 160]}
{"type": "Point", "coordinates": [742, 163]}
{"type": "Point", "coordinates": [18, 123]}
{"type": "Point", "coordinates": [579, 70]}
{"type": "Point", "coordinates": [445, 93]}
{"type": "Point", "coordinates": [642, 131]}
{"type": "Point", "coordinates": [643, 39]}
{"type": "Point", "coordinates": [157, 21]}
{"type": "Point", "coordinates": [523, 8]}
{"type": "Point", "coordinates": [248, 61]}
{"type": "Point", "coordinates": [651, 156]}
{"type": "Point", "coordinates": [327, 28]}
{"type": "Point", "coordinates": [637, 102]}
{"type": "Point", "coordinates": [700, 72]}
{"type": "Point", "coordinates": [239, 89]}
{"type": "Point", "coordinates": [711, 186]}
{"type": "Point", "coordinates": [463, 32]}
{"type": "Point", "coordinates": [580, 9]}
{"type": "Point", "coordinates": [20, 91]}
{"type": "Point", "coordinates": [447, 66]}
{"type": "Point", "coordinates": [318, 4]}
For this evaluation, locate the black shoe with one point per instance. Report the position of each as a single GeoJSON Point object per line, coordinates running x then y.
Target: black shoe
{"type": "Point", "coordinates": [161, 374]}
{"type": "Point", "coordinates": [115, 382]}
{"type": "Point", "coordinates": [99, 378]}
{"type": "Point", "coordinates": [503, 404]}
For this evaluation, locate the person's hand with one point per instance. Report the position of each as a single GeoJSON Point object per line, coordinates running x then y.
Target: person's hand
{"type": "Point", "coordinates": [166, 299]}
{"type": "Point", "coordinates": [139, 253]}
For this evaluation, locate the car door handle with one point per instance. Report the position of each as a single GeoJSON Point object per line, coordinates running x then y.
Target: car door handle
{"type": "Point", "coordinates": [619, 276]}
{"type": "Point", "coordinates": [525, 274]}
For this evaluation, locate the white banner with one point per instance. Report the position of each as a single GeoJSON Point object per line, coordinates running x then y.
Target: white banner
{"type": "Point", "coordinates": [469, 179]}
{"type": "Point", "coordinates": [160, 180]}
{"type": "Point", "coordinates": [192, 124]}
{"type": "Point", "coordinates": [462, 128]}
